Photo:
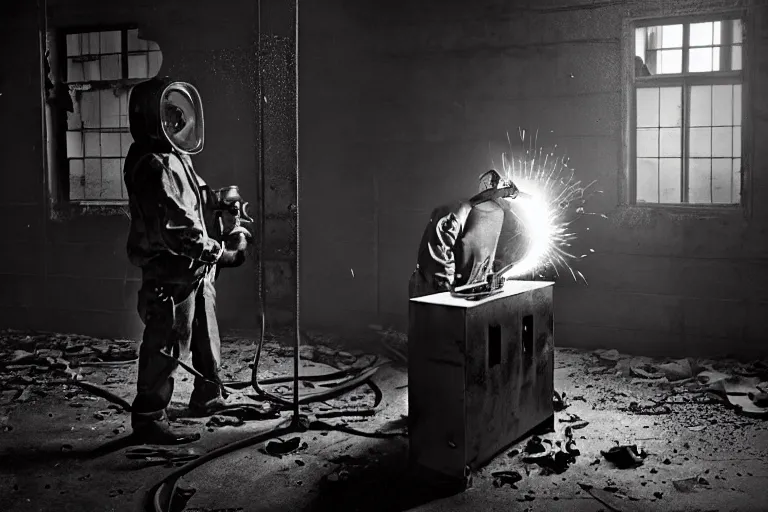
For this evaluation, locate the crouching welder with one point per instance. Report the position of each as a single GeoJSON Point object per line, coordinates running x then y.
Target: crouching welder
{"type": "Point", "coordinates": [460, 242]}
{"type": "Point", "coordinates": [182, 232]}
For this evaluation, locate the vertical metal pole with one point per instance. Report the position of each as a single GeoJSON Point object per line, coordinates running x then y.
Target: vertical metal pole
{"type": "Point", "coordinates": [297, 340]}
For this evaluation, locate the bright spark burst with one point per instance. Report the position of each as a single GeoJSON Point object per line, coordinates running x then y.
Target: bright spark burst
{"type": "Point", "coordinates": [546, 214]}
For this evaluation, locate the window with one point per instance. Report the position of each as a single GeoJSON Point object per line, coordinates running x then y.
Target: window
{"type": "Point", "coordinates": [99, 71]}
{"type": "Point", "coordinates": [687, 120]}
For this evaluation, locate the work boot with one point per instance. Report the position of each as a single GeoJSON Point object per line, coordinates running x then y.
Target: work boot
{"type": "Point", "coordinates": [161, 433]}
{"type": "Point", "coordinates": [207, 408]}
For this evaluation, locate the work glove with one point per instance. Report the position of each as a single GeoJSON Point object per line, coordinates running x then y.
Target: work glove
{"type": "Point", "coordinates": [233, 254]}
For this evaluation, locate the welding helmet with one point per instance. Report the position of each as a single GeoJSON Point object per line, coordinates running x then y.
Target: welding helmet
{"type": "Point", "coordinates": [488, 180]}
{"type": "Point", "coordinates": [167, 113]}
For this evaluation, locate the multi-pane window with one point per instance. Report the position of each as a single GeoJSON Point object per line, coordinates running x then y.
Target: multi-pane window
{"type": "Point", "coordinates": [688, 112]}
{"type": "Point", "coordinates": [100, 69]}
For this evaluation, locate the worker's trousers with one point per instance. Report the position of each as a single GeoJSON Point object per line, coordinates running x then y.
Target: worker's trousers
{"type": "Point", "coordinates": [179, 318]}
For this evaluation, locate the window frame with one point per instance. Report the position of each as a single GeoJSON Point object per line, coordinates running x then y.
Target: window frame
{"type": "Point", "coordinates": [62, 193]}
{"type": "Point", "coordinates": [628, 180]}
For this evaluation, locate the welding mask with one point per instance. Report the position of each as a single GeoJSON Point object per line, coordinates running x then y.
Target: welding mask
{"type": "Point", "coordinates": [181, 116]}
{"type": "Point", "coordinates": [164, 112]}
{"type": "Point", "coordinates": [489, 180]}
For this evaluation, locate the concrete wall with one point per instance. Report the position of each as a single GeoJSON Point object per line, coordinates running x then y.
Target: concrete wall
{"type": "Point", "coordinates": [399, 101]}
{"type": "Point", "coordinates": [71, 274]}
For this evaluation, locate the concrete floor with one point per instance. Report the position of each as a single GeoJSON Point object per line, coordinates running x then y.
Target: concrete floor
{"type": "Point", "coordinates": [48, 434]}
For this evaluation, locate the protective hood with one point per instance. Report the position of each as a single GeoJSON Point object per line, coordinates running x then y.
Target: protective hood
{"type": "Point", "coordinates": [164, 114]}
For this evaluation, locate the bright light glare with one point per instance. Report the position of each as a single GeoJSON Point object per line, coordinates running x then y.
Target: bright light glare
{"type": "Point", "coordinates": [552, 192]}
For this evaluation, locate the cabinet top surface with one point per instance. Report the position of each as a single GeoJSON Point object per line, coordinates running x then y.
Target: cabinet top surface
{"type": "Point", "coordinates": [510, 288]}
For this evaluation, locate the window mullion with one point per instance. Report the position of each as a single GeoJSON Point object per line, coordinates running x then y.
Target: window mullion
{"type": "Point", "coordinates": [124, 53]}
{"type": "Point", "coordinates": [686, 107]}
{"type": "Point", "coordinates": [686, 94]}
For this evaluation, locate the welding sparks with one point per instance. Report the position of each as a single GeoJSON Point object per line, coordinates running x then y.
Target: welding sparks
{"type": "Point", "coordinates": [552, 192]}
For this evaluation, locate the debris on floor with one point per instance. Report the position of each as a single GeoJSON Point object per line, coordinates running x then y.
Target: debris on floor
{"type": "Point", "coordinates": [280, 448]}
{"type": "Point", "coordinates": [559, 402]}
{"type": "Point", "coordinates": [737, 385]}
{"type": "Point", "coordinates": [553, 457]}
{"type": "Point", "coordinates": [624, 456]}
{"type": "Point", "coordinates": [689, 485]}
{"type": "Point", "coordinates": [502, 478]}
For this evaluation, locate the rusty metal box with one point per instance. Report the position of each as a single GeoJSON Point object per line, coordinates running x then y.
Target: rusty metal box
{"type": "Point", "coordinates": [480, 376]}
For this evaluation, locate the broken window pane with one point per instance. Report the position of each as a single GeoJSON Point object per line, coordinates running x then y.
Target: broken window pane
{"type": "Point", "coordinates": [74, 118]}
{"type": "Point", "coordinates": [700, 142]}
{"type": "Point", "coordinates": [701, 34]}
{"type": "Point", "coordinates": [647, 186]}
{"type": "Point", "coordinates": [647, 142]}
{"type": "Point", "coordinates": [89, 109]}
{"type": "Point", "coordinates": [669, 180]}
{"type": "Point", "coordinates": [76, 180]}
{"type": "Point", "coordinates": [722, 141]}
{"type": "Point", "coordinates": [671, 106]}
{"type": "Point", "coordinates": [647, 107]}
{"type": "Point", "coordinates": [699, 181]}
{"type": "Point", "coordinates": [722, 173]}
{"type": "Point", "coordinates": [701, 105]}
{"type": "Point", "coordinates": [670, 143]}
{"type": "Point", "coordinates": [722, 105]}
{"type": "Point", "coordinates": [74, 144]}
{"type": "Point", "coordinates": [110, 109]}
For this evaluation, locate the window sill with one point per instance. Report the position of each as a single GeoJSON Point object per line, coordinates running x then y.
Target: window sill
{"type": "Point", "coordinates": [648, 213]}
{"type": "Point", "coordinates": [69, 210]}
{"type": "Point", "coordinates": [676, 207]}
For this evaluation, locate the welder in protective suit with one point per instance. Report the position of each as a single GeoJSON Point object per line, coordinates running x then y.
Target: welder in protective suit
{"type": "Point", "coordinates": [174, 240]}
{"type": "Point", "coordinates": [460, 242]}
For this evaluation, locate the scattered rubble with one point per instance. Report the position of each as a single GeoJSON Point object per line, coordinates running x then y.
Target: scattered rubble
{"type": "Point", "coordinates": [690, 485]}
{"type": "Point", "coordinates": [624, 456]}
{"type": "Point", "coordinates": [740, 386]}
{"type": "Point", "coordinates": [559, 402]}
{"type": "Point", "coordinates": [553, 457]}
{"type": "Point", "coordinates": [280, 448]}
{"type": "Point", "coordinates": [502, 478]}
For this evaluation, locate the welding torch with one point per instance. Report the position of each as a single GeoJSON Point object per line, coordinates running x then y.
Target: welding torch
{"type": "Point", "coordinates": [231, 212]}
{"type": "Point", "coordinates": [508, 190]}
